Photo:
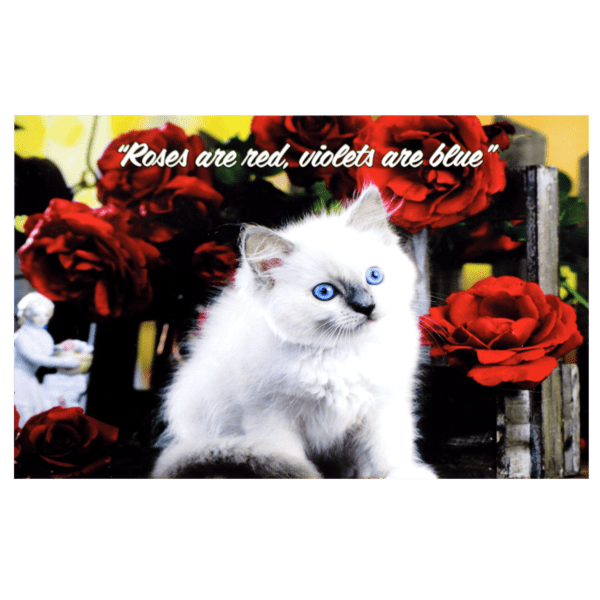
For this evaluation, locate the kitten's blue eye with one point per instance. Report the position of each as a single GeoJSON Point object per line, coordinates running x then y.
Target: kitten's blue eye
{"type": "Point", "coordinates": [324, 291]}
{"type": "Point", "coordinates": [374, 276]}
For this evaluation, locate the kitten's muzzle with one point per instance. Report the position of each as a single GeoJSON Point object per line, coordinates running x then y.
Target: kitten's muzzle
{"type": "Point", "coordinates": [359, 300]}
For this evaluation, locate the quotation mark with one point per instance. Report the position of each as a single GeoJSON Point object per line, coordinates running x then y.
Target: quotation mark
{"type": "Point", "coordinates": [493, 148]}
{"type": "Point", "coordinates": [124, 148]}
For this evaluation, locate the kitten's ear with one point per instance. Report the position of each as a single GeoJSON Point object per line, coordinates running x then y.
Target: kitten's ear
{"type": "Point", "coordinates": [264, 250]}
{"type": "Point", "coordinates": [368, 213]}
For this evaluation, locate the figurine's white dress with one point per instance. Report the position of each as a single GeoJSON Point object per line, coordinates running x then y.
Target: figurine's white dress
{"type": "Point", "coordinates": [34, 347]}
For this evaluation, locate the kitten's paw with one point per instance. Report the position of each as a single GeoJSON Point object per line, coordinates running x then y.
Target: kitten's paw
{"type": "Point", "coordinates": [414, 471]}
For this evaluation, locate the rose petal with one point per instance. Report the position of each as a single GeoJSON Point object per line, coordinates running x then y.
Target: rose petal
{"type": "Point", "coordinates": [528, 374]}
{"type": "Point", "coordinates": [524, 356]}
{"type": "Point", "coordinates": [56, 245]}
{"type": "Point", "coordinates": [465, 339]}
{"type": "Point", "coordinates": [441, 315]}
{"type": "Point", "coordinates": [408, 186]}
{"type": "Point", "coordinates": [464, 308]}
{"type": "Point", "coordinates": [573, 342]}
{"type": "Point", "coordinates": [500, 305]}
{"type": "Point", "coordinates": [542, 333]}
{"type": "Point", "coordinates": [558, 332]}
{"type": "Point", "coordinates": [516, 336]}
{"type": "Point", "coordinates": [409, 135]}
{"type": "Point", "coordinates": [488, 357]}
{"type": "Point", "coordinates": [488, 328]}
{"type": "Point", "coordinates": [469, 128]}
{"type": "Point", "coordinates": [527, 307]}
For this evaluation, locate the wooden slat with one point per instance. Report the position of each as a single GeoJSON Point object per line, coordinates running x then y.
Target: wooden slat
{"type": "Point", "coordinates": [513, 433]}
{"type": "Point", "coordinates": [543, 268]}
{"type": "Point", "coordinates": [571, 419]}
{"type": "Point", "coordinates": [583, 287]}
{"type": "Point", "coordinates": [536, 415]}
{"type": "Point", "coordinates": [551, 421]}
{"type": "Point", "coordinates": [541, 198]}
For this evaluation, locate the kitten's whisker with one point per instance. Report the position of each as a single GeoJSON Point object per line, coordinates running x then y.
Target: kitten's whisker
{"type": "Point", "coordinates": [437, 336]}
{"type": "Point", "coordinates": [431, 296]}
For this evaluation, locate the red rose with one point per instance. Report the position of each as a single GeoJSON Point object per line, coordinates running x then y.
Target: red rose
{"type": "Point", "coordinates": [489, 239]}
{"type": "Point", "coordinates": [214, 263]}
{"type": "Point", "coordinates": [308, 134]}
{"type": "Point", "coordinates": [428, 196]}
{"type": "Point", "coordinates": [159, 197]}
{"type": "Point", "coordinates": [502, 330]}
{"type": "Point", "coordinates": [123, 185]}
{"type": "Point", "coordinates": [83, 255]}
{"type": "Point", "coordinates": [64, 442]}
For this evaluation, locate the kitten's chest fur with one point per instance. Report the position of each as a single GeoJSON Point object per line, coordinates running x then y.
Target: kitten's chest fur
{"type": "Point", "coordinates": [329, 393]}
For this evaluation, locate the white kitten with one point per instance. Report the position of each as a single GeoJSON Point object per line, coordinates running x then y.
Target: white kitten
{"type": "Point", "coordinates": [311, 353]}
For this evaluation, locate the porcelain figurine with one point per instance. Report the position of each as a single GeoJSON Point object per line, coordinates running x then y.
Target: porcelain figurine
{"type": "Point", "coordinates": [34, 348]}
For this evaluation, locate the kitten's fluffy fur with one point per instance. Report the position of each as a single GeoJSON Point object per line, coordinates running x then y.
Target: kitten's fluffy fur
{"type": "Point", "coordinates": [279, 378]}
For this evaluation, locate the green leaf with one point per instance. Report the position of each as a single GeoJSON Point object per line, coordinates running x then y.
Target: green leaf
{"type": "Point", "coordinates": [231, 175]}
{"type": "Point", "coordinates": [564, 183]}
{"type": "Point", "coordinates": [572, 210]}
{"type": "Point", "coordinates": [324, 201]}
